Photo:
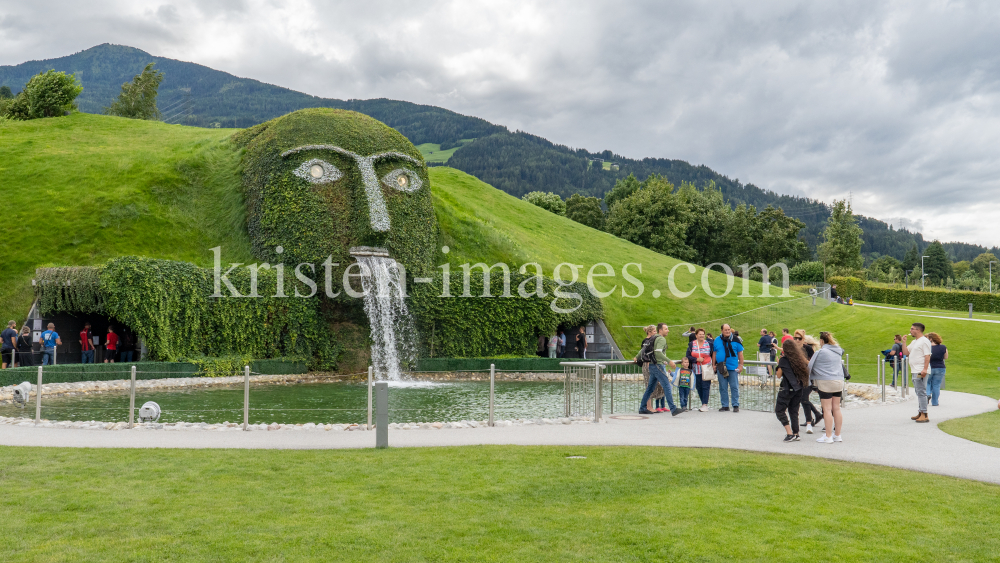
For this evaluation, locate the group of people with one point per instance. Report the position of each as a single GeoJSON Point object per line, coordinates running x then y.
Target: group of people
{"type": "Point", "coordinates": [554, 346]}
{"type": "Point", "coordinates": [806, 364]}
{"type": "Point", "coordinates": [18, 351]}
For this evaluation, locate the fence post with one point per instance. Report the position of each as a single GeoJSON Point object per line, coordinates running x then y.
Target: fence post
{"type": "Point", "coordinates": [131, 401]}
{"type": "Point", "coordinates": [567, 371]}
{"type": "Point", "coordinates": [369, 397]}
{"type": "Point", "coordinates": [246, 398]}
{"type": "Point", "coordinates": [612, 390]}
{"type": "Point", "coordinates": [493, 373]}
{"type": "Point", "coordinates": [382, 414]}
{"type": "Point", "coordinates": [597, 392]}
{"type": "Point", "coordinates": [970, 310]}
{"type": "Point", "coordinates": [38, 397]}
{"type": "Point", "coordinates": [55, 354]}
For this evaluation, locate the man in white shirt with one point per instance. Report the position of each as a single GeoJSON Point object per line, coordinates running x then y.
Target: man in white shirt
{"type": "Point", "coordinates": [919, 353]}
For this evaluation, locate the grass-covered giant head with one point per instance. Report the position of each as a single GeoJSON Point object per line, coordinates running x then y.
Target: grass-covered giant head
{"type": "Point", "coordinates": [319, 181]}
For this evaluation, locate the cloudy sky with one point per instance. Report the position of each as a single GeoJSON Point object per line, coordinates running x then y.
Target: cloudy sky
{"type": "Point", "coordinates": [896, 104]}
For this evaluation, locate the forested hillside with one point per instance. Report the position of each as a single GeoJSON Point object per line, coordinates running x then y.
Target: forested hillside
{"type": "Point", "coordinates": [193, 94]}
{"type": "Point", "coordinates": [516, 163]}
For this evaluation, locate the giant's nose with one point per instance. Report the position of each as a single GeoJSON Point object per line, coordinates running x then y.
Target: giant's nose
{"type": "Point", "coordinates": [377, 211]}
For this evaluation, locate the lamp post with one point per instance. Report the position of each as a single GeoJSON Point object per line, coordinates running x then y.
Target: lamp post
{"type": "Point", "coordinates": [991, 274]}
{"type": "Point", "coordinates": [923, 272]}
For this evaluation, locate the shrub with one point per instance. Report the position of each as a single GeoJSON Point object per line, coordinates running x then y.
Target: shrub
{"type": "Point", "coordinates": [47, 94]}
{"type": "Point", "coordinates": [547, 201]}
{"type": "Point", "coordinates": [915, 297]}
{"type": "Point", "coordinates": [585, 210]}
{"type": "Point", "coordinates": [138, 98]}
{"type": "Point", "coordinates": [806, 272]}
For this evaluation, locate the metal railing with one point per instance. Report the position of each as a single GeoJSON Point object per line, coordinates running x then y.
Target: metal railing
{"type": "Point", "coordinates": [593, 388]}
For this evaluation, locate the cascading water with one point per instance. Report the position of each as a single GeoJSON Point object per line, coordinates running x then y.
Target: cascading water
{"type": "Point", "coordinates": [392, 327]}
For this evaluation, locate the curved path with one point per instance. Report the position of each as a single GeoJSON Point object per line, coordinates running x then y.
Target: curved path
{"type": "Point", "coordinates": [882, 435]}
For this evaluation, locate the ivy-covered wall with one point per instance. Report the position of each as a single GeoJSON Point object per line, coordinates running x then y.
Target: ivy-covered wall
{"type": "Point", "coordinates": [475, 327]}
{"type": "Point", "coordinates": [312, 221]}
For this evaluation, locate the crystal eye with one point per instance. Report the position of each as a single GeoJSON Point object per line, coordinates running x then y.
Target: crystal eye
{"type": "Point", "coordinates": [403, 180]}
{"type": "Point", "coordinates": [318, 171]}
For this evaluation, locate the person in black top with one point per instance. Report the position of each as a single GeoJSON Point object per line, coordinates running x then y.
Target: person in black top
{"type": "Point", "coordinates": [939, 353]}
{"type": "Point", "coordinates": [24, 351]}
{"type": "Point", "coordinates": [793, 369]}
{"type": "Point", "coordinates": [692, 335]}
{"type": "Point", "coordinates": [581, 343]}
{"type": "Point", "coordinates": [9, 337]}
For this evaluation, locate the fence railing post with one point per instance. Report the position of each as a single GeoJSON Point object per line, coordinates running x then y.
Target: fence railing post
{"type": "Point", "coordinates": [567, 370]}
{"type": "Point", "coordinates": [493, 374]}
{"type": "Point", "coordinates": [369, 397]}
{"type": "Point", "coordinates": [131, 400]}
{"type": "Point", "coordinates": [597, 392]}
{"type": "Point", "coordinates": [246, 398]}
{"type": "Point", "coordinates": [382, 414]}
{"type": "Point", "coordinates": [38, 397]}
{"type": "Point", "coordinates": [613, 390]}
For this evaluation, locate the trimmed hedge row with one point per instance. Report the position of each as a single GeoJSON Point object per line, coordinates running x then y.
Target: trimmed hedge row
{"type": "Point", "coordinates": [949, 300]}
{"type": "Point", "coordinates": [502, 364]}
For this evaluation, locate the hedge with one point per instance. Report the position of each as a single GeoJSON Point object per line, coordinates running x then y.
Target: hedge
{"type": "Point", "coordinates": [948, 300]}
{"type": "Point", "coordinates": [71, 373]}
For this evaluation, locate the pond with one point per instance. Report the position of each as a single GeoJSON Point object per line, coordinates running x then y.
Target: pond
{"type": "Point", "coordinates": [336, 403]}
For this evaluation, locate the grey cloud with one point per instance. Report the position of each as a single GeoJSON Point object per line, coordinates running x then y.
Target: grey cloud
{"type": "Point", "coordinates": [894, 102]}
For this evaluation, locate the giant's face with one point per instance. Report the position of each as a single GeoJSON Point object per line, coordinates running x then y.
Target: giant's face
{"type": "Point", "coordinates": [320, 181]}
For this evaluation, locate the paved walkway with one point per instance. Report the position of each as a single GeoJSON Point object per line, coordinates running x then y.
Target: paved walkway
{"type": "Point", "coordinates": [882, 435]}
{"type": "Point", "coordinates": [917, 313]}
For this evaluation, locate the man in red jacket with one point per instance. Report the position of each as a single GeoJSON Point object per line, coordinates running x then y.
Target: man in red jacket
{"type": "Point", "coordinates": [86, 345]}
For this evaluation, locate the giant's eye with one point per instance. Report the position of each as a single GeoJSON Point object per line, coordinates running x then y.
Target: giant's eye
{"type": "Point", "coordinates": [403, 180]}
{"type": "Point", "coordinates": [318, 171]}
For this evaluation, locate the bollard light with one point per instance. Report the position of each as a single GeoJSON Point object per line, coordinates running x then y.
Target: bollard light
{"type": "Point", "coordinates": [21, 394]}
{"type": "Point", "coordinates": [149, 412]}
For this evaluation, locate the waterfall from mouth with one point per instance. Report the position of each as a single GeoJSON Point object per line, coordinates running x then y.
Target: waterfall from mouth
{"type": "Point", "coordinates": [392, 328]}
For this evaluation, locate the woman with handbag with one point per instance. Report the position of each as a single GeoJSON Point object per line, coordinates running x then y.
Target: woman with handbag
{"type": "Point", "coordinates": [826, 372]}
{"type": "Point", "coordinates": [793, 372]}
{"type": "Point", "coordinates": [700, 353]}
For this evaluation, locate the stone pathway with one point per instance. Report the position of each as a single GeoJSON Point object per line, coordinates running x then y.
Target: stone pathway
{"type": "Point", "coordinates": [882, 435]}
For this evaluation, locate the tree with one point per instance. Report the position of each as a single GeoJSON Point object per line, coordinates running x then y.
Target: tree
{"type": "Point", "coordinates": [885, 263]}
{"type": "Point", "coordinates": [710, 217]}
{"type": "Point", "coordinates": [937, 266]}
{"type": "Point", "coordinates": [47, 94]}
{"type": "Point", "coordinates": [5, 93]}
{"type": "Point", "coordinates": [981, 264]}
{"type": "Point", "coordinates": [653, 217]}
{"type": "Point", "coordinates": [547, 201]}
{"type": "Point", "coordinates": [960, 268]}
{"type": "Point", "coordinates": [969, 280]}
{"type": "Point", "coordinates": [138, 98]}
{"type": "Point", "coordinates": [806, 272]}
{"type": "Point", "coordinates": [623, 189]}
{"type": "Point", "coordinates": [585, 210]}
{"type": "Point", "coordinates": [841, 248]}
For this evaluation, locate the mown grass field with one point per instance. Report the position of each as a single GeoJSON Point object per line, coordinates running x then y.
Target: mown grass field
{"type": "Point", "coordinates": [81, 189]}
{"type": "Point", "coordinates": [497, 503]}
{"type": "Point", "coordinates": [432, 151]}
{"type": "Point", "coordinates": [983, 428]}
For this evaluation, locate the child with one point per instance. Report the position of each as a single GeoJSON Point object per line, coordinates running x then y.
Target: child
{"type": "Point", "coordinates": [682, 380]}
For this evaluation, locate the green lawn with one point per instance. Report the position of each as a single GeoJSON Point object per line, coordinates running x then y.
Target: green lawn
{"type": "Point", "coordinates": [983, 428]}
{"type": "Point", "coordinates": [432, 152]}
{"type": "Point", "coordinates": [79, 190]}
{"type": "Point", "coordinates": [482, 504]}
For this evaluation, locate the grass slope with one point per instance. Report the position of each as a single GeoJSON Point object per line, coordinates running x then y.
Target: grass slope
{"type": "Point", "coordinates": [432, 151]}
{"type": "Point", "coordinates": [79, 190]}
{"type": "Point", "coordinates": [495, 503]}
{"type": "Point", "coordinates": [983, 428]}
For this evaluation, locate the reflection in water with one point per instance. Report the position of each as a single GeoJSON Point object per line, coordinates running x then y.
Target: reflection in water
{"type": "Point", "coordinates": [316, 402]}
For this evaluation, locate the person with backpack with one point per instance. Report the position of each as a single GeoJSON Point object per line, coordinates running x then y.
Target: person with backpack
{"type": "Point", "coordinates": [700, 354]}
{"type": "Point", "coordinates": [728, 366]}
{"type": "Point", "coordinates": [894, 356]}
{"type": "Point", "coordinates": [826, 372]}
{"type": "Point", "coordinates": [644, 358]}
{"type": "Point", "coordinates": [49, 340]}
{"type": "Point", "coordinates": [657, 372]}
{"type": "Point", "coordinates": [25, 353]}
{"type": "Point", "coordinates": [793, 372]}
{"type": "Point", "coordinates": [9, 337]}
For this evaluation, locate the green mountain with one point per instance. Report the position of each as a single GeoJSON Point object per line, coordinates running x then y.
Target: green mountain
{"type": "Point", "coordinates": [515, 162]}
{"type": "Point", "coordinates": [193, 94]}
